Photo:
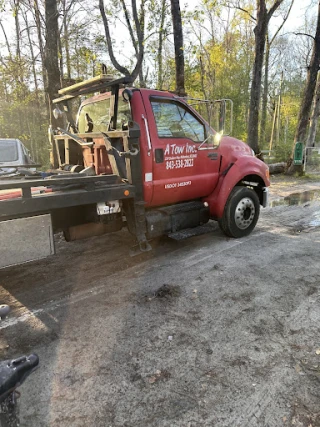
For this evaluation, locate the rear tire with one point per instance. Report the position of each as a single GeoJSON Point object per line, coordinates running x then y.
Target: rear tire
{"type": "Point", "coordinates": [241, 212]}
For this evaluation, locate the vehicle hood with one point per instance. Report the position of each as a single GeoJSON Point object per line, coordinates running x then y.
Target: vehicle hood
{"type": "Point", "coordinates": [233, 148]}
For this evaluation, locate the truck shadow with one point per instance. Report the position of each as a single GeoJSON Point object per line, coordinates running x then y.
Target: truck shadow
{"type": "Point", "coordinates": [35, 290]}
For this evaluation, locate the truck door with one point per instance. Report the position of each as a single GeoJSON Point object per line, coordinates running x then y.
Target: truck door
{"type": "Point", "coordinates": [184, 166]}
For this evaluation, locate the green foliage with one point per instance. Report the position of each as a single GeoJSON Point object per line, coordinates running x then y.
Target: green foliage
{"type": "Point", "coordinates": [26, 120]}
{"type": "Point", "coordinates": [282, 152]}
{"type": "Point", "coordinates": [218, 50]}
{"type": "Point", "coordinates": [221, 67]}
{"type": "Point", "coordinates": [22, 109]}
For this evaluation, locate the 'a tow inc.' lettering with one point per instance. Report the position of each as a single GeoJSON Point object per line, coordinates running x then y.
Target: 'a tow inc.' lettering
{"type": "Point", "coordinates": [174, 149]}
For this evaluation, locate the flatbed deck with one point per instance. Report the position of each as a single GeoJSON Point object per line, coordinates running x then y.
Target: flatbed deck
{"type": "Point", "coordinates": [65, 192]}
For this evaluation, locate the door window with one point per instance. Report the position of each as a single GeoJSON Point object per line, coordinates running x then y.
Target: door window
{"type": "Point", "coordinates": [8, 150]}
{"type": "Point", "coordinates": [173, 120]}
{"type": "Point", "coordinates": [94, 117]}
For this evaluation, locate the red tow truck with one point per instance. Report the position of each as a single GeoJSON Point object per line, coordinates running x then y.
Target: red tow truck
{"type": "Point", "coordinates": [139, 158]}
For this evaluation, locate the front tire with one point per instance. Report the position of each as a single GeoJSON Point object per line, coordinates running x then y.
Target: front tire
{"type": "Point", "coordinates": [241, 212]}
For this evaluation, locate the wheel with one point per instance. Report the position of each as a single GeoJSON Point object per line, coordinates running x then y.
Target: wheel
{"type": "Point", "coordinates": [241, 212]}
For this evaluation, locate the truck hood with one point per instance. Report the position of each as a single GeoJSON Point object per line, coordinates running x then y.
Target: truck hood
{"type": "Point", "coordinates": [232, 149]}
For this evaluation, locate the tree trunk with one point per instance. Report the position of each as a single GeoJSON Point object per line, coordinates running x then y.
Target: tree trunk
{"type": "Point", "coordinates": [178, 47]}
{"type": "Point", "coordinates": [60, 57]}
{"type": "Point", "coordinates": [202, 77]}
{"type": "Point", "coordinates": [275, 112]}
{"type": "Point", "coordinates": [51, 52]}
{"type": "Point", "coordinates": [266, 76]}
{"type": "Point", "coordinates": [17, 27]}
{"type": "Point", "coordinates": [265, 93]}
{"type": "Point", "coordinates": [260, 39]}
{"type": "Point", "coordinates": [279, 111]}
{"type": "Point", "coordinates": [160, 46]}
{"type": "Point", "coordinates": [41, 48]}
{"type": "Point", "coordinates": [304, 113]}
{"type": "Point", "coordinates": [34, 72]}
{"type": "Point", "coordinates": [275, 168]}
{"type": "Point", "coordinates": [260, 31]}
{"type": "Point", "coordinates": [133, 39]}
{"type": "Point", "coordinates": [66, 39]}
{"type": "Point", "coordinates": [314, 117]}
{"type": "Point", "coordinates": [139, 24]}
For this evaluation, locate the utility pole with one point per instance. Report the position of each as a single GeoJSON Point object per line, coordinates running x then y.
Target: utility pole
{"type": "Point", "coordinates": [279, 111]}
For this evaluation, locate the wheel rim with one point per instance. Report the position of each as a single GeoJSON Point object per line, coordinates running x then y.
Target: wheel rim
{"type": "Point", "coordinates": [244, 213]}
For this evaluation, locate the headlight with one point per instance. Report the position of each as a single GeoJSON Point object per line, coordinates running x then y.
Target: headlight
{"type": "Point", "coordinates": [268, 173]}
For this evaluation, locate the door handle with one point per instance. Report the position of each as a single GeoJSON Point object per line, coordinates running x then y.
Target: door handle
{"type": "Point", "coordinates": [213, 156]}
{"type": "Point", "coordinates": [159, 155]}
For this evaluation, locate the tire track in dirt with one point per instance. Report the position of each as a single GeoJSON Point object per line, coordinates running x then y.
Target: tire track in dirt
{"type": "Point", "coordinates": [255, 409]}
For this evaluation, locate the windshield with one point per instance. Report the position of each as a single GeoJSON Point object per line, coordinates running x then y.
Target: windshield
{"type": "Point", "coordinates": [8, 150]}
{"type": "Point", "coordinates": [96, 116]}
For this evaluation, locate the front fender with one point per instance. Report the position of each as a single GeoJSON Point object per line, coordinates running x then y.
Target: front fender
{"type": "Point", "coordinates": [229, 178]}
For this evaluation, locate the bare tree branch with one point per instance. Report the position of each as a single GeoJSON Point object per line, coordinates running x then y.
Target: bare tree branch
{"type": "Point", "coordinates": [232, 6]}
{"type": "Point", "coordinates": [128, 22]}
{"type": "Point", "coordinates": [140, 35]}
{"type": "Point", "coordinates": [304, 34]}
{"type": "Point", "coordinates": [6, 39]}
{"type": "Point", "coordinates": [283, 22]}
{"type": "Point", "coordinates": [139, 47]}
{"type": "Point", "coordinates": [139, 28]}
{"type": "Point", "coordinates": [115, 63]}
{"type": "Point", "coordinates": [273, 8]}
{"type": "Point", "coordinates": [247, 12]}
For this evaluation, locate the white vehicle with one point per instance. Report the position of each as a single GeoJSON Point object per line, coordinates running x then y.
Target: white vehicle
{"type": "Point", "coordinates": [14, 155]}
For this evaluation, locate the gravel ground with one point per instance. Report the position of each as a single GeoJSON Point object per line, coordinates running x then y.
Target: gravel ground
{"type": "Point", "coordinates": [207, 331]}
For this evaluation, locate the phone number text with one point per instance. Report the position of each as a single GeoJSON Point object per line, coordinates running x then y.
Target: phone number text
{"type": "Point", "coordinates": [179, 164]}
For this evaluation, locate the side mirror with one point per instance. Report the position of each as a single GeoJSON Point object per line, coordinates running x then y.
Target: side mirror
{"type": "Point", "coordinates": [217, 137]}
{"type": "Point", "coordinates": [127, 94]}
{"type": "Point", "coordinates": [57, 113]}
{"type": "Point", "coordinates": [222, 114]}
{"type": "Point", "coordinates": [211, 140]}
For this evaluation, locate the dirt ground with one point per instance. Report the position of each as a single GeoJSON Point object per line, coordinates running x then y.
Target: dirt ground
{"type": "Point", "coordinates": [207, 331]}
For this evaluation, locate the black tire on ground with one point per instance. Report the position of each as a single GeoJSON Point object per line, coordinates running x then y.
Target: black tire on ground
{"type": "Point", "coordinates": [241, 212]}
